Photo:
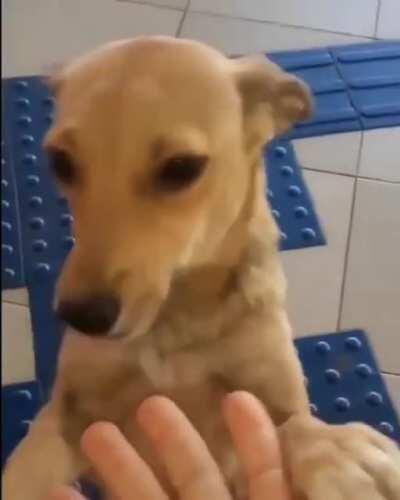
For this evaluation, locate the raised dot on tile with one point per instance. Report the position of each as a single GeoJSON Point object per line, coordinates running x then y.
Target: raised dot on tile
{"type": "Point", "coordinates": [68, 242]}
{"type": "Point", "coordinates": [32, 180]}
{"type": "Point", "coordinates": [4, 183]}
{"type": "Point", "coordinates": [6, 225]}
{"type": "Point", "coordinates": [42, 269]}
{"type": "Point", "coordinates": [283, 235]}
{"type": "Point", "coordinates": [36, 223]}
{"type": "Point", "coordinates": [24, 425]}
{"type": "Point", "coordinates": [7, 249]}
{"type": "Point", "coordinates": [21, 84]}
{"type": "Point", "coordinates": [5, 204]}
{"type": "Point", "coordinates": [386, 428]}
{"type": "Point", "coordinates": [353, 343]}
{"type": "Point", "coordinates": [286, 171]}
{"type": "Point", "coordinates": [374, 398]}
{"type": "Point", "coordinates": [22, 102]}
{"type": "Point", "coordinates": [342, 404]}
{"type": "Point", "coordinates": [332, 376]}
{"type": "Point", "coordinates": [27, 140]}
{"type": "Point", "coordinates": [48, 101]}
{"type": "Point", "coordinates": [314, 409]}
{"type": "Point", "coordinates": [29, 160]}
{"type": "Point", "coordinates": [61, 200]}
{"type": "Point", "coordinates": [323, 347]}
{"type": "Point", "coordinates": [270, 194]}
{"type": "Point", "coordinates": [276, 214]}
{"type": "Point", "coordinates": [280, 151]}
{"type": "Point", "coordinates": [35, 201]}
{"type": "Point", "coordinates": [24, 120]}
{"type": "Point", "coordinates": [363, 370]}
{"type": "Point", "coordinates": [308, 234]}
{"type": "Point", "coordinates": [39, 245]}
{"type": "Point", "coordinates": [66, 219]}
{"type": "Point", "coordinates": [49, 119]}
{"type": "Point", "coordinates": [294, 191]}
{"type": "Point", "coordinates": [300, 212]}
{"type": "Point", "coordinates": [10, 272]}
{"type": "Point", "coordinates": [23, 395]}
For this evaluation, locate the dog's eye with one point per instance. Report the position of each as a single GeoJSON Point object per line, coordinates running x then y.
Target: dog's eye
{"type": "Point", "coordinates": [62, 166]}
{"type": "Point", "coordinates": [180, 172]}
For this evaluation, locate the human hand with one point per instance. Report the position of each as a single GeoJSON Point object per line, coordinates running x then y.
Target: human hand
{"type": "Point", "coordinates": [190, 467]}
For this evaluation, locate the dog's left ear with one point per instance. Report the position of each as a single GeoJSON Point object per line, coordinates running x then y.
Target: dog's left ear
{"type": "Point", "coordinates": [273, 100]}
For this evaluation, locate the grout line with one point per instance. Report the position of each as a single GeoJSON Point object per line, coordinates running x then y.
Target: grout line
{"type": "Point", "coordinates": [153, 4]}
{"type": "Point", "coordinates": [348, 242]}
{"type": "Point", "coordinates": [353, 176]}
{"type": "Point", "coordinates": [378, 14]}
{"type": "Point", "coordinates": [179, 30]}
{"type": "Point", "coordinates": [393, 374]}
{"type": "Point", "coordinates": [281, 24]}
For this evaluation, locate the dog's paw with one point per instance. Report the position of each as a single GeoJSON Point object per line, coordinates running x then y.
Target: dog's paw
{"type": "Point", "coordinates": [341, 462]}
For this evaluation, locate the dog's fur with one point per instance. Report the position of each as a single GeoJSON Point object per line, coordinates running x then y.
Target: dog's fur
{"type": "Point", "coordinates": [197, 271]}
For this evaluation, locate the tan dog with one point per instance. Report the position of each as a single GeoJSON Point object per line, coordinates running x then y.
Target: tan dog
{"type": "Point", "coordinates": [158, 146]}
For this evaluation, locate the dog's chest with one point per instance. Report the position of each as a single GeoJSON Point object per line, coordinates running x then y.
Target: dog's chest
{"type": "Point", "coordinates": [111, 385]}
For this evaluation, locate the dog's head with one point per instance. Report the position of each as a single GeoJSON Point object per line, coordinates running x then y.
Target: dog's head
{"type": "Point", "coordinates": [153, 145]}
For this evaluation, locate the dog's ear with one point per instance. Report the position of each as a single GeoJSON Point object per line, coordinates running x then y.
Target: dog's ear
{"type": "Point", "coordinates": [273, 100]}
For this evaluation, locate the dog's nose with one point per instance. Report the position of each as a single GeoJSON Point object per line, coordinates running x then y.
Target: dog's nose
{"type": "Point", "coordinates": [94, 316]}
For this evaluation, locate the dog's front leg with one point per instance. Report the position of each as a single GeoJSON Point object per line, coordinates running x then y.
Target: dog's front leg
{"type": "Point", "coordinates": [324, 462]}
{"type": "Point", "coordinates": [264, 362]}
{"type": "Point", "coordinates": [41, 461]}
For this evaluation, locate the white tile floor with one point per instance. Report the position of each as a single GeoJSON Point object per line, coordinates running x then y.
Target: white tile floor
{"type": "Point", "coordinates": [354, 178]}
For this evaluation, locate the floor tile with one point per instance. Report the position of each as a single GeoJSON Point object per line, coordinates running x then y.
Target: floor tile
{"type": "Point", "coordinates": [393, 384]}
{"type": "Point", "coordinates": [39, 34]}
{"type": "Point", "coordinates": [176, 4]}
{"type": "Point", "coordinates": [333, 153]}
{"type": "Point", "coordinates": [236, 36]}
{"type": "Point", "coordinates": [380, 156]}
{"type": "Point", "coordinates": [315, 274]}
{"type": "Point", "coordinates": [352, 16]}
{"type": "Point", "coordinates": [17, 353]}
{"type": "Point", "coordinates": [15, 296]}
{"type": "Point", "coordinates": [389, 19]}
{"type": "Point", "coordinates": [372, 290]}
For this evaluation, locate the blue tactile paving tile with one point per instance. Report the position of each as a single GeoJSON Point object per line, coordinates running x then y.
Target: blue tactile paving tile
{"type": "Point", "coordinates": [45, 219]}
{"type": "Point", "coordinates": [290, 201]}
{"type": "Point", "coordinates": [334, 111]}
{"type": "Point", "coordinates": [344, 382]}
{"type": "Point", "coordinates": [19, 405]}
{"type": "Point", "coordinates": [11, 252]}
{"type": "Point", "coordinates": [356, 87]}
{"type": "Point", "coordinates": [372, 75]}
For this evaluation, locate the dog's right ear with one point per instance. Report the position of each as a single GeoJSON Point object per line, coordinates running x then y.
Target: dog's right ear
{"type": "Point", "coordinates": [273, 100]}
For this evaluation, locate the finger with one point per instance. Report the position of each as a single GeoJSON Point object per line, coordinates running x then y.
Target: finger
{"type": "Point", "coordinates": [380, 466]}
{"type": "Point", "coordinates": [124, 473]}
{"type": "Point", "coordinates": [257, 445]}
{"type": "Point", "coordinates": [191, 469]}
{"type": "Point", "coordinates": [65, 493]}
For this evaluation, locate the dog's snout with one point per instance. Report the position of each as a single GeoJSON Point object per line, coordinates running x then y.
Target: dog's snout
{"type": "Point", "coordinates": [93, 316]}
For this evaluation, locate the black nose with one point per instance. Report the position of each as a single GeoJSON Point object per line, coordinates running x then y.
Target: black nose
{"type": "Point", "coordinates": [93, 316]}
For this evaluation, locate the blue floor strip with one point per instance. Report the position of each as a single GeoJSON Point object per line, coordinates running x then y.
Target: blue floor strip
{"type": "Point", "coordinates": [12, 274]}
{"type": "Point", "coordinates": [356, 87]}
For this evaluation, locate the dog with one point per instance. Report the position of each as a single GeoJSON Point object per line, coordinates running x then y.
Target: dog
{"type": "Point", "coordinates": [175, 283]}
